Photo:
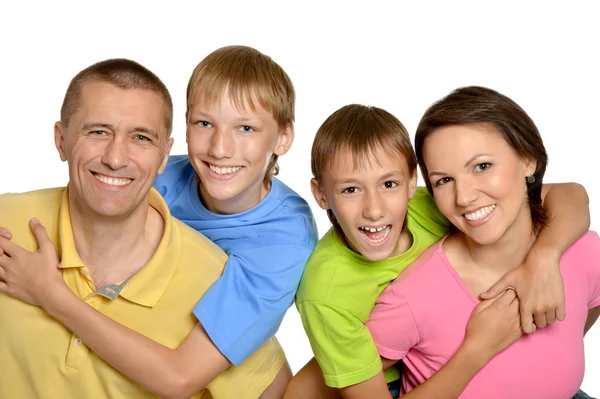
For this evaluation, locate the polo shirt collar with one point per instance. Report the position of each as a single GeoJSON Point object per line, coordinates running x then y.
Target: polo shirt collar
{"type": "Point", "coordinates": [147, 286]}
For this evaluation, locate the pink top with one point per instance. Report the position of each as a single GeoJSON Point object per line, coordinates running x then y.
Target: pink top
{"type": "Point", "coordinates": [422, 317]}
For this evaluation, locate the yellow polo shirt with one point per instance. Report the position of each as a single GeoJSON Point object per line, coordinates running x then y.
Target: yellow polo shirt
{"type": "Point", "coordinates": [40, 358]}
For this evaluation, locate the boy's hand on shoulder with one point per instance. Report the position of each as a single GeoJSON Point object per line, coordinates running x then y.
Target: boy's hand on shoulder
{"type": "Point", "coordinates": [539, 285]}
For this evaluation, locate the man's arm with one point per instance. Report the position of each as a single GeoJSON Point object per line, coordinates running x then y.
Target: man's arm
{"type": "Point", "coordinates": [170, 373]}
{"type": "Point", "coordinates": [538, 281]}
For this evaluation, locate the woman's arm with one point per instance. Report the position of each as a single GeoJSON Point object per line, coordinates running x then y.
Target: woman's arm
{"type": "Point", "coordinates": [170, 373]}
{"type": "Point", "coordinates": [538, 281]}
{"type": "Point", "coordinates": [494, 325]}
{"type": "Point", "coordinates": [591, 319]}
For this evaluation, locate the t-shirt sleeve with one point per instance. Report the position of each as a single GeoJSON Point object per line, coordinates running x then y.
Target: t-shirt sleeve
{"type": "Point", "coordinates": [392, 325]}
{"type": "Point", "coordinates": [423, 209]}
{"type": "Point", "coordinates": [245, 307]}
{"type": "Point", "coordinates": [340, 342]}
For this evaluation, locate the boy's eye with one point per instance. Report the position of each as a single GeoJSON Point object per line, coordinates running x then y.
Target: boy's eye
{"type": "Point", "coordinates": [390, 184]}
{"type": "Point", "coordinates": [204, 124]}
{"type": "Point", "coordinates": [482, 167]}
{"type": "Point", "coordinates": [246, 129]}
{"type": "Point", "coordinates": [443, 181]}
{"type": "Point", "coordinates": [350, 190]}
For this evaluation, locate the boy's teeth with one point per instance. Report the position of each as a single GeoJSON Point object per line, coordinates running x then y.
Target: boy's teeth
{"type": "Point", "coordinates": [373, 229]}
{"type": "Point", "coordinates": [375, 235]}
{"type": "Point", "coordinates": [224, 171]}
{"type": "Point", "coordinates": [480, 214]}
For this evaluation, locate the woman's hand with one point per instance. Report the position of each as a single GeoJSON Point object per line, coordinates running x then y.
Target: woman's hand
{"type": "Point", "coordinates": [494, 325]}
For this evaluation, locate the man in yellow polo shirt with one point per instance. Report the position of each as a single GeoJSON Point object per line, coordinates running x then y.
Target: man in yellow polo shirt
{"type": "Point", "coordinates": [119, 248]}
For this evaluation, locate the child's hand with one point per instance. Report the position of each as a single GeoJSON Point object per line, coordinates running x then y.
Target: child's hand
{"type": "Point", "coordinates": [495, 324]}
{"type": "Point", "coordinates": [539, 285]}
{"type": "Point", "coordinates": [6, 234]}
{"type": "Point", "coordinates": [26, 275]}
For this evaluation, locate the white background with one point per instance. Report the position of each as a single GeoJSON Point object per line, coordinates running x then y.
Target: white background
{"type": "Point", "coordinates": [399, 57]}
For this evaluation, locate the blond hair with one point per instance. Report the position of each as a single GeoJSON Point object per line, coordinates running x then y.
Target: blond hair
{"type": "Point", "coordinates": [247, 75]}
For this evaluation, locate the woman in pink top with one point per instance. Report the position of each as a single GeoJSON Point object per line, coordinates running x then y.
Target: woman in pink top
{"type": "Point", "coordinates": [483, 160]}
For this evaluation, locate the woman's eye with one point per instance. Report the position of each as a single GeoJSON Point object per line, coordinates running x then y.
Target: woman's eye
{"type": "Point", "coordinates": [204, 124]}
{"type": "Point", "coordinates": [443, 181]}
{"type": "Point", "coordinates": [482, 166]}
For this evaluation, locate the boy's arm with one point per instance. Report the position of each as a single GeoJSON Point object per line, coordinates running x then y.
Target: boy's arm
{"type": "Point", "coordinates": [170, 373]}
{"type": "Point", "coordinates": [538, 281]}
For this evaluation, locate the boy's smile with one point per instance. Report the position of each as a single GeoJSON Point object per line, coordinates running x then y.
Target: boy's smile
{"type": "Point", "coordinates": [369, 198]}
{"type": "Point", "coordinates": [230, 148]}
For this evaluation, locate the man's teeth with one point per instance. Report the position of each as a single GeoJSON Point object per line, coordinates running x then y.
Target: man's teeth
{"type": "Point", "coordinates": [372, 229]}
{"type": "Point", "coordinates": [224, 171]}
{"type": "Point", "coordinates": [480, 214]}
{"type": "Point", "coordinates": [113, 181]}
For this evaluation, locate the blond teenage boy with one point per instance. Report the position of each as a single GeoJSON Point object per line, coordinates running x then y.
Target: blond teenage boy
{"type": "Point", "coordinates": [240, 115]}
{"type": "Point", "coordinates": [365, 178]}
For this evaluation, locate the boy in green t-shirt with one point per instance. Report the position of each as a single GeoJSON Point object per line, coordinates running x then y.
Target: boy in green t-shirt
{"type": "Point", "coordinates": [364, 169]}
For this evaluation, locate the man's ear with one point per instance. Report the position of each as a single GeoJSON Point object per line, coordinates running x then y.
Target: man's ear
{"type": "Point", "coordinates": [285, 140]}
{"type": "Point", "coordinates": [59, 140]}
{"type": "Point", "coordinates": [168, 147]}
{"type": "Point", "coordinates": [412, 185]}
{"type": "Point", "coordinates": [319, 194]}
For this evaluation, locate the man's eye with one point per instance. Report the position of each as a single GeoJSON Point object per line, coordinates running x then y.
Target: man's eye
{"type": "Point", "coordinates": [246, 129]}
{"type": "Point", "coordinates": [350, 190]}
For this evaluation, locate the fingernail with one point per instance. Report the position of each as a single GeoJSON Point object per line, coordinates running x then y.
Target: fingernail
{"type": "Point", "coordinates": [34, 221]}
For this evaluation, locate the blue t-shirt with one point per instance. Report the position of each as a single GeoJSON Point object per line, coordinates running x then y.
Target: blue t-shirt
{"type": "Point", "coordinates": [268, 247]}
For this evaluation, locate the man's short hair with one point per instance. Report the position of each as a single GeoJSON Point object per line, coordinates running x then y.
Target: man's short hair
{"type": "Point", "coordinates": [124, 73]}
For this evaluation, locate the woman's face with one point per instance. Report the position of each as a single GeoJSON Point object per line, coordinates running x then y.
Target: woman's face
{"type": "Point", "coordinates": [478, 181]}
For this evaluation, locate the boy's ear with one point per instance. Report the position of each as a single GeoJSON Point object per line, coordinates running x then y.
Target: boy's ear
{"type": "Point", "coordinates": [285, 140]}
{"type": "Point", "coordinates": [319, 194]}
{"type": "Point", "coordinates": [412, 185]}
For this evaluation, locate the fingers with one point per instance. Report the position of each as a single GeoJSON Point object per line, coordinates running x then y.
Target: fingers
{"type": "Point", "coordinates": [540, 319]}
{"type": "Point", "coordinates": [561, 313]}
{"type": "Point", "coordinates": [9, 248]}
{"type": "Point", "coordinates": [504, 283]}
{"type": "Point", "coordinates": [41, 235]}
{"type": "Point", "coordinates": [5, 233]}
{"type": "Point", "coordinates": [527, 323]}
{"type": "Point", "coordinates": [505, 298]}
{"type": "Point", "coordinates": [550, 316]}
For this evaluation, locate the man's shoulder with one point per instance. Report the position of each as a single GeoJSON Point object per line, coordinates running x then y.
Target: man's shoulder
{"type": "Point", "coordinates": [24, 206]}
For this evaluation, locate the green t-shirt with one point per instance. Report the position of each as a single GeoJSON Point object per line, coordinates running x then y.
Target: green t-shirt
{"type": "Point", "coordinates": [339, 289]}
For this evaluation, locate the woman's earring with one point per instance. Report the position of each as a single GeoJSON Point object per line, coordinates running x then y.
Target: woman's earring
{"type": "Point", "coordinates": [530, 179]}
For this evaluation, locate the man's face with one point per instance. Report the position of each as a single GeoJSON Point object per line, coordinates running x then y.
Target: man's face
{"type": "Point", "coordinates": [115, 144]}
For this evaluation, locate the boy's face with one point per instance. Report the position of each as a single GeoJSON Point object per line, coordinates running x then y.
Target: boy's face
{"type": "Point", "coordinates": [369, 200]}
{"type": "Point", "coordinates": [230, 150]}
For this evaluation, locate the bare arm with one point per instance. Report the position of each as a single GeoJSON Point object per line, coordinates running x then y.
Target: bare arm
{"type": "Point", "coordinates": [169, 373]}
{"type": "Point", "coordinates": [494, 325]}
{"type": "Point", "coordinates": [538, 281]}
{"type": "Point", "coordinates": [591, 319]}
